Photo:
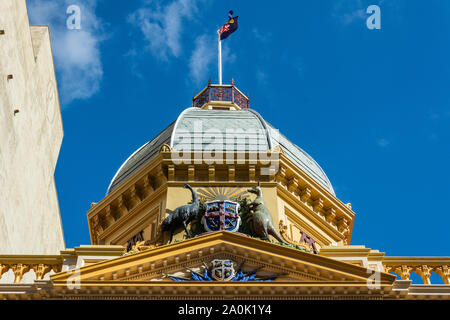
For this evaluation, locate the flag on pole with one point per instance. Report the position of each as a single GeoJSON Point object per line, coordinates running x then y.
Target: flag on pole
{"type": "Point", "coordinates": [229, 27]}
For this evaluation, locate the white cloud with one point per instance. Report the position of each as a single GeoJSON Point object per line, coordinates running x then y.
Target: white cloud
{"type": "Point", "coordinates": [201, 59]}
{"type": "Point", "coordinates": [264, 37]}
{"type": "Point", "coordinates": [162, 26]}
{"type": "Point", "coordinates": [204, 58]}
{"type": "Point", "coordinates": [76, 52]}
{"type": "Point", "coordinates": [261, 77]}
{"type": "Point", "coordinates": [348, 11]}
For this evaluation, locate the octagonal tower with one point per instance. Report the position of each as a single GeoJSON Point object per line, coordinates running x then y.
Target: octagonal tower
{"type": "Point", "coordinates": [220, 147]}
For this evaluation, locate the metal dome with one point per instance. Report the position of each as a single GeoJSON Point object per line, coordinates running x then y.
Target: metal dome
{"type": "Point", "coordinates": [195, 123]}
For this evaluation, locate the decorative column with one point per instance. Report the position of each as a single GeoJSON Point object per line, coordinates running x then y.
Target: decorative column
{"type": "Point", "coordinates": [424, 272]}
{"type": "Point", "coordinates": [403, 271]}
{"type": "Point", "coordinates": [19, 270]}
{"type": "Point", "coordinates": [41, 270]}
{"type": "Point", "coordinates": [388, 269]}
{"type": "Point", "coordinates": [444, 272]}
{"type": "Point", "coordinates": [3, 269]}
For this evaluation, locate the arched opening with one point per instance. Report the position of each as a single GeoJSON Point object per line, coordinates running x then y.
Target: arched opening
{"type": "Point", "coordinates": [29, 277]}
{"type": "Point", "coordinates": [7, 277]}
{"type": "Point", "coordinates": [415, 278]}
{"type": "Point", "coordinates": [436, 279]}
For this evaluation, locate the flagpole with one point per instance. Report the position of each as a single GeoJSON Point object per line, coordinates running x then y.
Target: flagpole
{"type": "Point", "coordinates": [220, 57]}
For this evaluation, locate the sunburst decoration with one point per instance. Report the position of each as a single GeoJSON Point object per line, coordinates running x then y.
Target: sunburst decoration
{"type": "Point", "coordinates": [222, 193]}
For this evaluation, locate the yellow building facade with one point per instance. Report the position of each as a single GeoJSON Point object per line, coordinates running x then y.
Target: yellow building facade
{"type": "Point", "coordinates": [220, 205]}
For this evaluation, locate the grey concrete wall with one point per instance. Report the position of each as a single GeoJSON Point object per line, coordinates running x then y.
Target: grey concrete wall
{"type": "Point", "coordinates": [30, 140]}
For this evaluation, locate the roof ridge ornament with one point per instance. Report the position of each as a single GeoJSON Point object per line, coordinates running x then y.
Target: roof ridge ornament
{"type": "Point", "coordinates": [165, 148]}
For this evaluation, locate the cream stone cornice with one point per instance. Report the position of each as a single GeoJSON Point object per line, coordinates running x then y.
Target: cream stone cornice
{"type": "Point", "coordinates": [122, 221]}
{"type": "Point", "coordinates": [288, 171]}
{"type": "Point", "coordinates": [130, 228]}
{"type": "Point", "coordinates": [152, 164]}
{"type": "Point", "coordinates": [320, 191]}
{"type": "Point", "coordinates": [374, 255]}
{"type": "Point", "coordinates": [30, 259]}
{"type": "Point", "coordinates": [241, 291]}
{"type": "Point", "coordinates": [355, 252]}
{"type": "Point", "coordinates": [346, 251]}
{"type": "Point", "coordinates": [306, 227]}
{"type": "Point", "coordinates": [313, 217]}
{"type": "Point", "coordinates": [97, 250]}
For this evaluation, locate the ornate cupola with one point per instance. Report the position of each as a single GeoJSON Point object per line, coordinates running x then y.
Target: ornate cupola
{"type": "Point", "coordinates": [221, 97]}
{"type": "Point", "coordinates": [197, 150]}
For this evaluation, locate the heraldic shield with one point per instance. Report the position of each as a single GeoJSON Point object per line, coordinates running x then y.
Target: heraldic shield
{"type": "Point", "coordinates": [221, 215]}
{"type": "Point", "coordinates": [222, 270]}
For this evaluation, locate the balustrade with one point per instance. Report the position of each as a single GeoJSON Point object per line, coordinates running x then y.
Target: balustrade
{"type": "Point", "coordinates": [20, 265]}
{"type": "Point", "coordinates": [226, 93]}
{"type": "Point", "coordinates": [423, 266]}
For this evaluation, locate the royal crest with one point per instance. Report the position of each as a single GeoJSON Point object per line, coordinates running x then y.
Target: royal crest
{"type": "Point", "coordinates": [222, 270]}
{"type": "Point", "coordinates": [221, 215]}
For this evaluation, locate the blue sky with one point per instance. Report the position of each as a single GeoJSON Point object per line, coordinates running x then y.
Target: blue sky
{"type": "Point", "coordinates": [371, 106]}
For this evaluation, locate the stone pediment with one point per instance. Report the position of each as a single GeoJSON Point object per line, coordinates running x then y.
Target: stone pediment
{"type": "Point", "coordinates": [285, 263]}
{"type": "Point", "coordinates": [152, 270]}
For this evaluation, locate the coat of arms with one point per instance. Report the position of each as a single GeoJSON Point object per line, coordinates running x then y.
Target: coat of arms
{"type": "Point", "coordinates": [221, 215]}
{"type": "Point", "coordinates": [222, 270]}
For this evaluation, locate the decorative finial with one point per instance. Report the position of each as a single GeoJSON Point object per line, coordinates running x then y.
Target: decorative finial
{"type": "Point", "coordinates": [232, 81]}
{"type": "Point", "coordinates": [209, 82]}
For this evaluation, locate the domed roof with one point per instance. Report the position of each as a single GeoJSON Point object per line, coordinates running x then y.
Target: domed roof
{"type": "Point", "coordinates": [204, 130]}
